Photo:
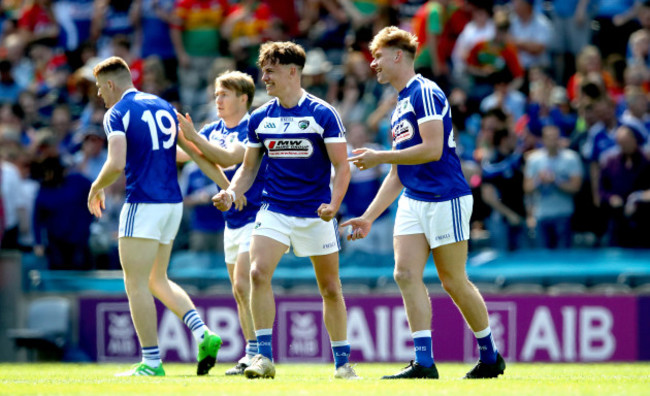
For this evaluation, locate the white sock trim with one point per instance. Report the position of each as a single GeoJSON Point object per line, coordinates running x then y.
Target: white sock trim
{"type": "Point", "coordinates": [340, 343]}
{"type": "Point", "coordinates": [422, 333]}
{"type": "Point", "coordinates": [263, 332]}
{"type": "Point", "coordinates": [483, 333]}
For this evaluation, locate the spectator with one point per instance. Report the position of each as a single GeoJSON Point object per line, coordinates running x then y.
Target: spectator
{"type": "Point", "coordinates": [37, 22]}
{"type": "Point", "coordinates": [110, 18]}
{"type": "Point", "coordinates": [625, 174]}
{"type": "Point", "coordinates": [502, 189]}
{"type": "Point", "coordinates": [571, 21]}
{"type": "Point", "coordinates": [600, 138]}
{"type": "Point", "coordinates": [636, 113]}
{"type": "Point", "coordinates": [493, 56]}
{"type": "Point", "coordinates": [589, 68]}
{"type": "Point", "coordinates": [91, 157]}
{"type": "Point", "coordinates": [552, 176]}
{"type": "Point", "coordinates": [362, 189]}
{"type": "Point", "coordinates": [196, 35]}
{"type": "Point", "coordinates": [74, 19]}
{"type": "Point", "coordinates": [511, 101]}
{"type": "Point", "coordinates": [9, 88]}
{"type": "Point", "coordinates": [61, 221]}
{"type": "Point", "coordinates": [245, 29]}
{"type": "Point", "coordinates": [155, 81]}
{"type": "Point", "coordinates": [480, 28]}
{"type": "Point", "coordinates": [154, 18]}
{"type": "Point", "coordinates": [314, 73]}
{"type": "Point", "coordinates": [206, 222]}
{"type": "Point", "coordinates": [121, 46]}
{"type": "Point", "coordinates": [615, 21]}
{"type": "Point", "coordinates": [437, 24]}
{"type": "Point", "coordinates": [532, 33]}
{"type": "Point", "coordinates": [12, 198]}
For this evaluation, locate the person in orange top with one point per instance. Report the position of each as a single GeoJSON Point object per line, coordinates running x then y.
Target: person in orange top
{"type": "Point", "coordinates": [589, 66]}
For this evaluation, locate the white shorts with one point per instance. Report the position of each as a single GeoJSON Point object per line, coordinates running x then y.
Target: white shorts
{"type": "Point", "coordinates": [159, 221]}
{"type": "Point", "coordinates": [441, 223]}
{"type": "Point", "coordinates": [309, 236]}
{"type": "Point", "coordinates": [237, 241]}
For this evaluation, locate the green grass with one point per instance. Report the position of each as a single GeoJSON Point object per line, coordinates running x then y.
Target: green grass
{"type": "Point", "coordinates": [314, 379]}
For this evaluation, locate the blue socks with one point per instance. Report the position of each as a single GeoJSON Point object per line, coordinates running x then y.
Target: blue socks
{"type": "Point", "coordinates": [264, 342]}
{"type": "Point", "coordinates": [341, 352]}
{"type": "Point", "coordinates": [486, 347]}
{"type": "Point", "coordinates": [423, 349]}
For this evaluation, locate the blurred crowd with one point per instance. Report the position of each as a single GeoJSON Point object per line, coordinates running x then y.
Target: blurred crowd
{"type": "Point", "coordinates": [549, 102]}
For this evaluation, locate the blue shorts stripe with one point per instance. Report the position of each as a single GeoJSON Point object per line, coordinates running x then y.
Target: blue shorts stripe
{"type": "Point", "coordinates": [336, 232]}
{"type": "Point", "coordinates": [127, 225]}
{"type": "Point", "coordinates": [453, 219]}
{"type": "Point", "coordinates": [459, 223]}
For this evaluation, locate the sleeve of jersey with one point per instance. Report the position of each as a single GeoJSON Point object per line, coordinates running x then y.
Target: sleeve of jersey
{"type": "Point", "coordinates": [253, 139]}
{"type": "Point", "coordinates": [114, 123]}
{"type": "Point", "coordinates": [428, 105]}
{"type": "Point", "coordinates": [334, 131]}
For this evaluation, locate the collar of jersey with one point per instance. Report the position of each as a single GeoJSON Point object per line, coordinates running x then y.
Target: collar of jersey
{"type": "Point", "coordinates": [415, 77]}
{"type": "Point", "coordinates": [128, 91]}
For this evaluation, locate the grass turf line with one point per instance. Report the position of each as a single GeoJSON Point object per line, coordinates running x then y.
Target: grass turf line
{"type": "Point", "coordinates": [316, 379]}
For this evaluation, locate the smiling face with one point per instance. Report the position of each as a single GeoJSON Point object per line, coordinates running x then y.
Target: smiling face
{"type": "Point", "coordinates": [276, 76]}
{"type": "Point", "coordinates": [384, 63]}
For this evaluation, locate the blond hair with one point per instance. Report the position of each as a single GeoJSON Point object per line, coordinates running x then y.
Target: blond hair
{"type": "Point", "coordinates": [113, 65]}
{"type": "Point", "coordinates": [240, 83]}
{"type": "Point", "coordinates": [395, 37]}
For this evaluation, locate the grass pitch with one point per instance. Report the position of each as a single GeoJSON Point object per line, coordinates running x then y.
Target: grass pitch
{"type": "Point", "coordinates": [316, 379]}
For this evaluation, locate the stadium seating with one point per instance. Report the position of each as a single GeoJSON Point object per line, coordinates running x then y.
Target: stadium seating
{"type": "Point", "coordinates": [48, 330]}
{"type": "Point", "coordinates": [568, 271]}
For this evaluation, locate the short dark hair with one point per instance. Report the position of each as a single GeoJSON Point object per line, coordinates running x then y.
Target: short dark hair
{"type": "Point", "coordinates": [282, 52]}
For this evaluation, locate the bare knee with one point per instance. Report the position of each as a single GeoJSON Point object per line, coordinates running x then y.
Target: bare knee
{"type": "Point", "coordinates": [331, 290]}
{"type": "Point", "coordinates": [454, 285]}
{"type": "Point", "coordinates": [404, 277]}
{"type": "Point", "coordinates": [241, 289]}
{"type": "Point", "coordinates": [259, 275]}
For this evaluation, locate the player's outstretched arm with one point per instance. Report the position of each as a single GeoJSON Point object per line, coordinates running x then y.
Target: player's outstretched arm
{"type": "Point", "coordinates": [214, 172]}
{"type": "Point", "coordinates": [213, 153]}
{"type": "Point", "coordinates": [432, 133]}
{"type": "Point", "coordinates": [388, 192]}
{"type": "Point", "coordinates": [111, 171]}
{"type": "Point", "coordinates": [337, 153]}
{"type": "Point", "coordinates": [242, 181]}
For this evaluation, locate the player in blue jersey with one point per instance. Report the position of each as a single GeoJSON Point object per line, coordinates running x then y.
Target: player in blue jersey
{"type": "Point", "coordinates": [302, 137]}
{"type": "Point", "coordinates": [434, 210]}
{"type": "Point", "coordinates": [223, 143]}
{"type": "Point", "coordinates": [142, 132]}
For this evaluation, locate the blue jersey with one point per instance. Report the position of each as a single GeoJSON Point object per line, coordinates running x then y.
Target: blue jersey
{"type": "Point", "coordinates": [421, 101]}
{"type": "Point", "coordinates": [220, 135]}
{"type": "Point", "coordinates": [150, 126]}
{"type": "Point", "coordinates": [298, 168]}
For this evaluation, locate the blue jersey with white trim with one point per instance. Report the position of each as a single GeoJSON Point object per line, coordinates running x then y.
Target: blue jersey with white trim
{"type": "Point", "coordinates": [419, 102]}
{"type": "Point", "coordinates": [299, 169]}
{"type": "Point", "coordinates": [220, 135]}
{"type": "Point", "coordinates": [150, 126]}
